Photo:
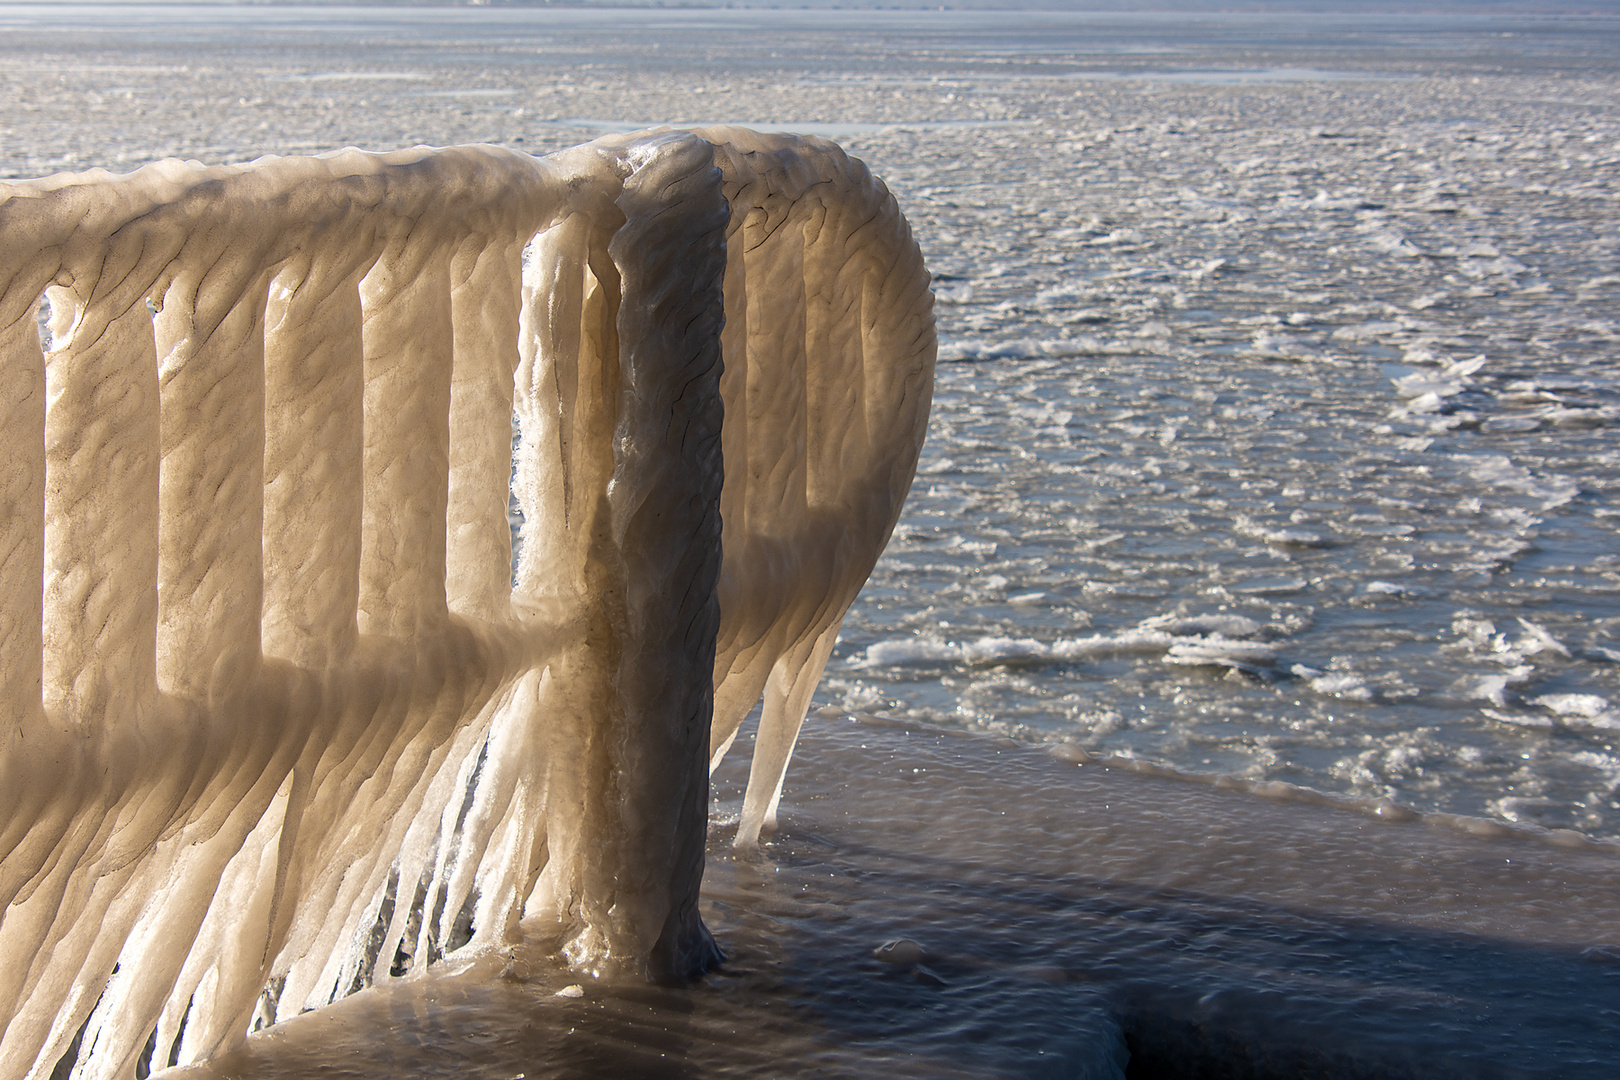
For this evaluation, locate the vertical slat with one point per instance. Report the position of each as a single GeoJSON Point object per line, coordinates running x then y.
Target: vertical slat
{"type": "Point", "coordinates": [29, 835]}
{"type": "Point", "coordinates": [484, 309]}
{"type": "Point", "coordinates": [565, 460]}
{"type": "Point", "coordinates": [734, 380]}
{"type": "Point", "coordinates": [775, 405]}
{"type": "Point", "coordinates": [101, 517]}
{"type": "Point", "coordinates": [22, 519]}
{"type": "Point", "coordinates": [564, 419]}
{"type": "Point", "coordinates": [836, 440]}
{"type": "Point", "coordinates": [897, 331]}
{"type": "Point", "coordinates": [314, 446]}
{"type": "Point", "coordinates": [408, 341]}
{"type": "Point", "coordinates": [210, 335]}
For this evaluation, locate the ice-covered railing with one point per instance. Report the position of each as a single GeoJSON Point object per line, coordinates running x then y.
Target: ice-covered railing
{"type": "Point", "coordinates": [278, 721]}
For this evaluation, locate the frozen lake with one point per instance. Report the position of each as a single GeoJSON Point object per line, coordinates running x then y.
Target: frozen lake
{"type": "Point", "coordinates": [1275, 431]}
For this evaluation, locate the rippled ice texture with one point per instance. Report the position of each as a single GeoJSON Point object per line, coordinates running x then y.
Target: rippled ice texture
{"type": "Point", "coordinates": [1276, 430]}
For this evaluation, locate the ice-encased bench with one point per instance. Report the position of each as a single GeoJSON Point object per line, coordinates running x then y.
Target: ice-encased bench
{"type": "Point", "coordinates": [279, 723]}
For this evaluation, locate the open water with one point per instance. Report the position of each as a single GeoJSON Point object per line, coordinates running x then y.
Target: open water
{"type": "Point", "coordinates": [1275, 432]}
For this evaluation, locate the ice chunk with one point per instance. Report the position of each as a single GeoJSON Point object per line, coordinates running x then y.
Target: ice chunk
{"type": "Point", "coordinates": [1551, 491]}
{"type": "Point", "coordinates": [1216, 651]}
{"type": "Point", "coordinates": [911, 651]}
{"type": "Point", "coordinates": [1368, 331]}
{"type": "Point", "coordinates": [1212, 649]}
{"type": "Point", "coordinates": [1539, 640]}
{"type": "Point", "coordinates": [1585, 706]}
{"type": "Point", "coordinates": [1391, 243]}
{"type": "Point", "coordinates": [1493, 688]}
{"type": "Point", "coordinates": [1282, 536]}
{"type": "Point", "coordinates": [1510, 423]}
{"type": "Point", "coordinates": [1342, 685]}
{"type": "Point", "coordinates": [1000, 650]}
{"type": "Point", "coordinates": [1225, 625]}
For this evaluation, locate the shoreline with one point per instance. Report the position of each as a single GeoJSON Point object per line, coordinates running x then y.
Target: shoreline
{"type": "Point", "coordinates": [1064, 916]}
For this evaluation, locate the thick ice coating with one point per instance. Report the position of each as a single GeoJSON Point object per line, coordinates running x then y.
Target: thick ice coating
{"type": "Point", "coordinates": [828, 300]}
{"type": "Point", "coordinates": [278, 722]}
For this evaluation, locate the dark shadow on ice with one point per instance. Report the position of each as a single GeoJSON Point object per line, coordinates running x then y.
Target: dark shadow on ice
{"type": "Point", "coordinates": [1200, 985]}
{"type": "Point", "coordinates": [1225, 935]}
{"type": "Point", "coordinates": [1068, 923]}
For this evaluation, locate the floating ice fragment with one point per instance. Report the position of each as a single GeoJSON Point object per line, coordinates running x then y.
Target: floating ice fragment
{"type": "Point", "coordinates": [1213, 649]}
{"type": "Point", "coordinates": [968, 547]}
{"type": "Point", "coordinates": [1481, 267]}
{"type": "Point", "coordinates": [1428, 402]}
{"type": "Point", "coordinates": [1322, 200]}
{"type": "Point", "coordinates": [1392, 243]}
{"type": "Point", "coordinates": [1367, 331]}
{"type": "Point", "coordinates": [910, 651]}
{"type": "Point", "coordinates": [1420, 384]}
{"type": "Point", "coordinates": [1529, 720]}
{"type": "Point", "coordinates": [1216, 650]}
{"type": "Point", "coordinates": [1586, 706]}
{"type": "Point", "coordinates": [1270, 346]}
{"type": "Point", "coordinates": [573, 991]}
{"type": "Point", "coordinates": [1578, 417]}
{"type": "Point", "coordinates": [996, 650]}
{"type": "Point", "coordinates": [1496, 469]}
{"type": "Point", "coordinates": [1268, 586]}
{"type": "Point", "coordinates": [1498, 424]}
{"type": "Point", "coordinates": [1493, 688]}
{"type": "Point", "coordinates": [1282, 537]}
{"type": "Point", "coordinates": [1540, 641]}
{"type": "Point", "coordinates": [1343, 685]}
{"type": "Point", "coordinates": [1229, 626]}
{"type": "Point", "coordinates": [1117, 237]}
